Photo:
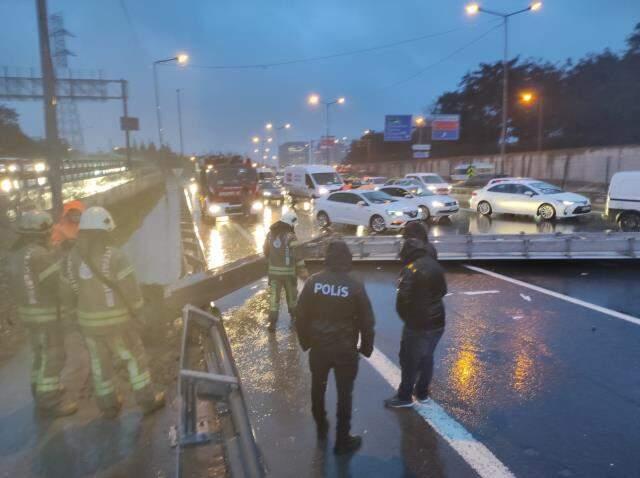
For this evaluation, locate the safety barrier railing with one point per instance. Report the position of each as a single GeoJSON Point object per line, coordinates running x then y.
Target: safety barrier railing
{"type": "Point", "coordinates": [220, 385]}
{"type": "Point", "coordinates": [586, 245]}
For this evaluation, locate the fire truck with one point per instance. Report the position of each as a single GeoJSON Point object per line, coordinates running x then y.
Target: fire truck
{"type": "Point", "coordinates": [228, 187]}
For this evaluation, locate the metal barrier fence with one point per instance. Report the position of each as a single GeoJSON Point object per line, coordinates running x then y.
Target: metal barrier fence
{"type": "Point", "coordinates": [220, 384]}
{"type": "Point", "coordinates": [587, 245]}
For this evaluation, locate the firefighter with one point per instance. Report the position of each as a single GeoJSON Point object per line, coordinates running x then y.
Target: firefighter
{"type": "Point", "coordinates": [65, 231]}
{"type": "Point", "coordinates": [284, 266]}
{"type": "Point", "coordinates": [34, 277]}
{"type": "Point", "coordinates": [107, 297]}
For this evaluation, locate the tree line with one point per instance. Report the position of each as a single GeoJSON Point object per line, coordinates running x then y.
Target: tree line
{"type": "Point", "coordinates": [592, 102]}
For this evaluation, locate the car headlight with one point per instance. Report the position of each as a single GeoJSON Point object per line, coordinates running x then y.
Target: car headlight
{"type": "Point", "coordinates": [5, 185]}
{"type": "Point", "coordinates": [214, 209]}
{"type": "Point", "coordinates": [431, 188]}
{"type": "Point", "coordinates": [257, 206]}
{"type": "Point", "coordinates": [394, 213]}
{"type": "Point", "coordinates": [323, 191]}
{"type": "Point", "coordinates": [266, 193]}
{"type": "Point", "coordinates": [438, 204]}
{"type": "Point", "coordinates": [568, 203]}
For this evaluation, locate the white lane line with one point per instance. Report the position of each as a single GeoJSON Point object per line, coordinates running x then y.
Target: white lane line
{"type": "Point", "coordinates": [481, 292]}
{"type": "Point", "coordinates": [478, 456]}
{"type": "Point", "coordinates": [557, 295]}
{"type": "Point", "coordinates": [242, 231]}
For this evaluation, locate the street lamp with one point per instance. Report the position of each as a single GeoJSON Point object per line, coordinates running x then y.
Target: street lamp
{"type": "Point", "coordinates": [474, 9]}
{"type": "Point", "coordinates": [182, 59]}
{"type": "Point", "coordinates": [315, 100]}
{"type": "Point", "coordinates": [420, 123]}
{"type": "Point", "coordinates": [528, 98]}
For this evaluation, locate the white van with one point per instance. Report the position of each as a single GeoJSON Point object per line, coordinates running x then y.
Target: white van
{"type": "Point", "coordinates": [311, 181]}
{"type": "Point", "coordinates": [623, 200]}
{"type": "Point", "coordinates": [266, 174]}
{"type": "Point", "coordinates": [461, 171]}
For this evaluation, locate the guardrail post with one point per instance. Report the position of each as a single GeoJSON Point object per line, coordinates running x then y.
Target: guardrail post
{"type": "Point", "coordinates": [567, 248]}
{"type": "Point", "coordinates": [632, 246]}
{"type": "Point", "coordinates": [469, 245]}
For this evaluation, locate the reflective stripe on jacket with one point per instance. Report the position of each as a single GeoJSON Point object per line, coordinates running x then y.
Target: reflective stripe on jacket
{"type": "Point", "coordinates": [97, 304]}
{"type": "Point", "coordinates": [34, 279]}
{"type": "Point", "coordinates": [280, 250]}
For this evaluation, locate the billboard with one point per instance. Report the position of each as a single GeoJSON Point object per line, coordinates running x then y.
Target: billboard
{"type": "Point", "coordinates": [445, 128]}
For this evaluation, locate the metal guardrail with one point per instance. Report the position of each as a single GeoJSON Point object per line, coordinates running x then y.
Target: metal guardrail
{"type": "Point", "coordinates": [221, 385]}
{"type": "Point", "coordinates": [587, 245]}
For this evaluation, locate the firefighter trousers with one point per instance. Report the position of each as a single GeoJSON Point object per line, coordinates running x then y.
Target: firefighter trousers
{"type": "Point", "coordinates": [47, 344]}
{"type": "Point", "coordinates": [290, 286]}
{"type": "Point", "coordinates": [125, 346]}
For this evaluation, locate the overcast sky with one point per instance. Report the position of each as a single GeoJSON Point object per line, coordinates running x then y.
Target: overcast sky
{"type": "Point", "coordinates": [222, 109]}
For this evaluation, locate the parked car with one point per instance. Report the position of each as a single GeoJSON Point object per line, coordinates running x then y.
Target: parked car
{"type": "Point", "coordinates": [375, 180]}
{"type": "Point", "coordinates": [410, 183]}
{"type": "Point", "coordinates": [623, 200]}
{"type": "Point", "coordinates": [529, 197]}
{"type": "Point", "coordinates": [311, 181]}
{"type": "Point", "coordinates": [270, 191]}
{"type": "Point", "coordinates": [432, 181]}
{"type": "Point", "coordinates": [373, 209]}
{"type": "Point", "coordinates": [429, 204]}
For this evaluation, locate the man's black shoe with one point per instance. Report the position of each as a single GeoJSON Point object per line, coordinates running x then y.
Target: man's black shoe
{"type": "Point", "coordinates": [348, 445]}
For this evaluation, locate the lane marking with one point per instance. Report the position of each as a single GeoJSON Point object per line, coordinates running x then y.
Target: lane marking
{"type": "Point", "coordinates": [477, 456]}
{"type": "Point", "coordinates": [242, 231]}
{"type": "Point", "coordinates": [481, 292]}
{"type": "Point", "coordinates": [557, 295]}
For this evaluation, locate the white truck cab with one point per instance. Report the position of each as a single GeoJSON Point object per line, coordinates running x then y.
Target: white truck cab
{"type": "Point", "coordinates": [623, 200]}
{"type": "Point", "coordinates": [311, 181]}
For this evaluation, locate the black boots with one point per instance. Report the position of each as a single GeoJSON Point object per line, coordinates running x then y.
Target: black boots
{"type": "Point", "coordinates": [347, 444]}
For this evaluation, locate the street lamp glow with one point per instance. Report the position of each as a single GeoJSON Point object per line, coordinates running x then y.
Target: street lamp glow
{"type": "Point", "coordinates": [274, 157]}
{"type": "Point", "coordinates": [420, 121]}
{"type": "Point", "coordinates": [367, 131]}
{"type": "Point", "coordinates": [269, 140]}
{"type": "Point", "coordinates": [287, 126]}
{"type": "Point", "coordinates": [267, 150]}
{"type": "Point", "coordinates": [269, 126]}
{"type": "Point", "coordinates": [256, 150]}
{"type": "Point", "coordinates": [472, 8]}
{"type": "Point", "coordinates": [527, 97]}
{"type": "Point", "coordinates": [255, 139]}
{"type": "Point", "coordinates": [341, 100]}
{"type": "Point", "coordinates": [314, 99]}
{"type": "Point", "coordinates": [535, 6]}
{"type": "Point", "coordinates": [182, 58]}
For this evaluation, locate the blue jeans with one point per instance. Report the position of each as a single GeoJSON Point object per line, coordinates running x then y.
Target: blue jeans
{"type": "Point", "coordinates": [416, 361]}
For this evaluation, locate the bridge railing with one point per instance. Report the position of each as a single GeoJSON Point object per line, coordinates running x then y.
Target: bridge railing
{"type": "Point", "coordinates": [218, 384]}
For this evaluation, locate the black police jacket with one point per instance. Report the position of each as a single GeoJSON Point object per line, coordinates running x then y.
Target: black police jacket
{"type": "Point", "coordinates": [333, 311]}
{"type": "Point", "coordinates": [421, 287]}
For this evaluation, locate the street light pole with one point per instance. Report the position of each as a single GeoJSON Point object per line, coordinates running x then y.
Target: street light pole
{"type": "Point", "coordinates": [315, 100]}
{"type": "Point", "coordinates": [181, 59]}
{"type": "Point", "coordinates": [473, 9]}
{"type": "Point", "coordinates": [180, 122]}
{"type": "Point", "coordinates": [540, 121]}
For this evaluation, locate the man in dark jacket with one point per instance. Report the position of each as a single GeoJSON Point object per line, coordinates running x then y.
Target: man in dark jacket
{"type": "Point", "coordinates": [333, 312]}
{"type": "Point", "coordinates": [421, 288]}
{"type": "Point", "coordinates": [417, 230]}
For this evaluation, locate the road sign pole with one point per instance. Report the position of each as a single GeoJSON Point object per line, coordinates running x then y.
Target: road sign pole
{"type": "Point", "coordinates": [50, 101]}
{"type": "Point", "coordinates": [125, 112]}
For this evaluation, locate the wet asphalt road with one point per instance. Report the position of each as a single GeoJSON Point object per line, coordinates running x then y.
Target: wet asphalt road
{"type": "Point", "coordinates": [548, 386]}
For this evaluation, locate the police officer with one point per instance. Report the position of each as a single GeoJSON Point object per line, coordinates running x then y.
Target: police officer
{"type": "Point", "coordinates": [34, 272]}
{"type": "Point", "coordinates": [107, 297]}
{"type": "Point", "coordinates": [284, 266]}
{"type": "Point", "coordinates": [333, 313]}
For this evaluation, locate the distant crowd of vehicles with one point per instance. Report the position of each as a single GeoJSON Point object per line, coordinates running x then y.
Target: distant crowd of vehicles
{"type": "Point", "coordinates": [235, 187]}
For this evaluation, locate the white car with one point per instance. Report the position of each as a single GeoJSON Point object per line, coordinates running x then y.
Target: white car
{"type": "Point", "coordinates": [529, 197]}
{"type": "Point", "coordinates": [429, 204]}
{"type": "Point", "coordinates": [374, 209]}
{"type": "Point", "coordinates": [432, 181]}
{"type": "Point", "coordinates": [623, 200]}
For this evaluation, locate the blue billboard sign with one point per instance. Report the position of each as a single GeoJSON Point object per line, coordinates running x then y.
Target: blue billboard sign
{"type": "Point", "coordinates": [398, 127]}
{"type": "Point", "coordinates": [445, 128]}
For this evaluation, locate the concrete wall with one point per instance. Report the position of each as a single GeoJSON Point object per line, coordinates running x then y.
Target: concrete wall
{"type": "Point", "coordinates": [141, 183]}
{"type": "Point", "coordinates": [580, 166]}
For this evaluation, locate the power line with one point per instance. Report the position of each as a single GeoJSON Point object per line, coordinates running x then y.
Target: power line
{"type": "Point", "coordinates": [443, 59]}
{"type": "Point", "coordinates": [327, 57]}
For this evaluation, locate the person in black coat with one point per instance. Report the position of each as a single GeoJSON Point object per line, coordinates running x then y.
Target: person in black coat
{"type": "Point", "coordinates": [421, 287]}
{"type": "Point", "coordinates": [333, 312]}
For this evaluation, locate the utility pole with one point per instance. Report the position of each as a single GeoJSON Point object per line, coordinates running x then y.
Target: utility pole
{"type": "Point", "coordinates": [50, 101]}
{"type": "Point", "coordinates": [180, 122]}
{"type": "Point", "coordinates": [125, 112]}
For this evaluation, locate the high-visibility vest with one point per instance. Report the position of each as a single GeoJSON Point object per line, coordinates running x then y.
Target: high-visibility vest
{"type": "Point", "coordinates": [282, 254]}
{"type": "Point", "coordinates": [33, 279]}
{"type": "Point", "coordinates": [98, 305]}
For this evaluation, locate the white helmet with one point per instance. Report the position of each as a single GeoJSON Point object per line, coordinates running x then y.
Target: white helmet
{"type": "Point", "coordinates": [97, 219]}
{"type": "Point", "coordinates": [35, 222]}
{"type": "Point", "coordinates": [290, 218]}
